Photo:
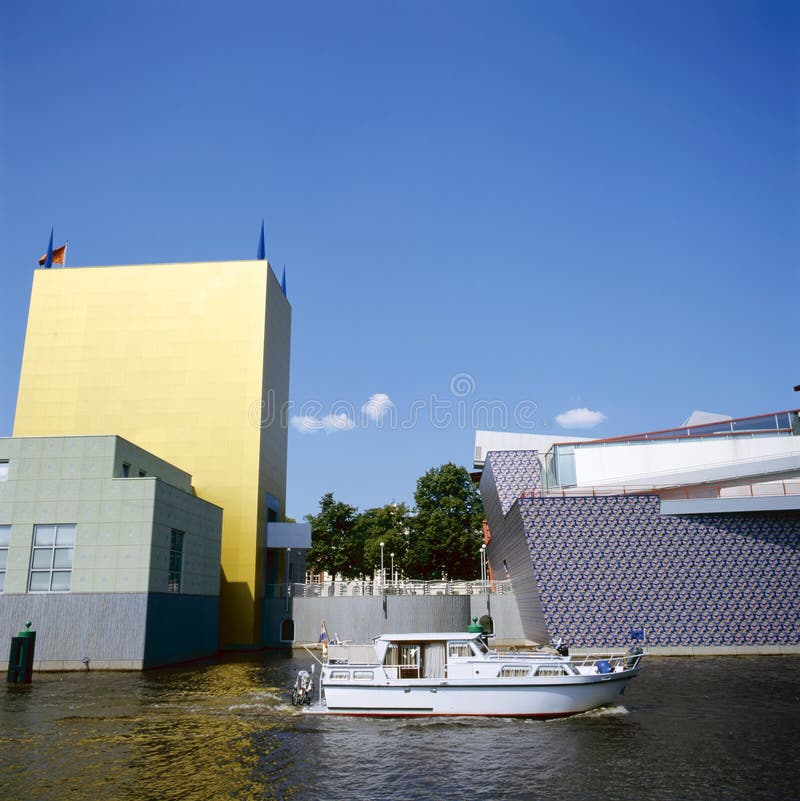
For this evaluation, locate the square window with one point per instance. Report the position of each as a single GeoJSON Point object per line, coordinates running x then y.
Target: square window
{"type": "Point", "coordinates": [42, 559]}
{"type": "Point", "coordinates": [4, 470]}
{"type": "Point", "coordinates": [44, 535]}
{"type": "Point", "coordinates": [63, 558]}
{"type": "Point", "coordinates": [65, 535]}
{"type": "Point", "coordinates": [61, 579]}
{"type": "Point", "coordinates": [51, 557]}
{"type": "Point", "coordinates": [40, 582]}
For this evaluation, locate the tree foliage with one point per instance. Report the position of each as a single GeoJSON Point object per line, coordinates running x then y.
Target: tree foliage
{"type": "Point", "coordinates": [334, 546]}
{"type": "Point", "coordinates": [446, 529]}
{"type": "Point", "coordinates": [440, 538]}
{"type": "Point", "coordinates": [388, 525]}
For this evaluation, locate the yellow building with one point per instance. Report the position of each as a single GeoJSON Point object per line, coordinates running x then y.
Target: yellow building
{"type": "Point", "coordinates": [191, 362]}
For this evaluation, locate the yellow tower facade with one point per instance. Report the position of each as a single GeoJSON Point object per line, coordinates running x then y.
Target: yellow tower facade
{"type": "Point", "coordinates": [191, 362]}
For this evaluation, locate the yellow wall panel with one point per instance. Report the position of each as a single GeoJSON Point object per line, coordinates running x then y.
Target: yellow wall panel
{"type": "Point", "coordinates": [172, 357]}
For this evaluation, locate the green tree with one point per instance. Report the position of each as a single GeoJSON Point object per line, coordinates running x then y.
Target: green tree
{"type": "Point", "coordinates": [335, 546]}
{"type": "Point", "coordinates": [388, 525]}
{"type": "Point", "coordinates": [446, 530]}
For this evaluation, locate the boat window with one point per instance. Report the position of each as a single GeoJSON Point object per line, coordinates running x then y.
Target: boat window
{"type": "Point", "coordinates": [392, 657]}
{"type": "Point", "coordinates": [406, 657]}
{"type": "Point", "coordinates": [409, 655]}
{"type": "Point", "coordinates": [458, 649]}
{"type": "Point", "coordinates": [363, 675]}
{"type": "Point", "coordinates": [551, 670]}
{"type": "Point", "coordinates": [514, 671]}
{"type": "Point", "coordinates": [340, 675]}
{"type": "Point", "coordinates": [433, 660]}
{"type": "Point", "coordinates": [402, 654]}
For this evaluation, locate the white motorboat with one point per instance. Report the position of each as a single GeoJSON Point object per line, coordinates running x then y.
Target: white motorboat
{"type": "Point", "coordinates": [456, 673]}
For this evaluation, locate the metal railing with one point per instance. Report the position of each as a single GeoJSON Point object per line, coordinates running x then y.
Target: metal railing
{"type": "Point", "coordinates": [688, 492]}
{"type": "Point", "coordinates": [773, 423]}
{"type": "Point", "coordinates": [359, 588]}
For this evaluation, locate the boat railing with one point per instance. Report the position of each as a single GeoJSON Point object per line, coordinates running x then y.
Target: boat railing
{"type": "Point", "coordinates": [617, 660]}
{"type": "Point", "coordinates": [622, 660]}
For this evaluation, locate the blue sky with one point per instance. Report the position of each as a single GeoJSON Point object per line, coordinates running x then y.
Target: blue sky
{"type": "Point", "coordinates": [537, 207]}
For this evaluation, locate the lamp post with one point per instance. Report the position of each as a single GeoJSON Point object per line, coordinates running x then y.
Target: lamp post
{"type": "Point", "coordinates": [288, 585]}
{"type": "Point", "coordinates": [483, 566]}
{"type": "Point", "coordinates": [383, 575]}
{"type": "Point", "coordinates": [391, 572]}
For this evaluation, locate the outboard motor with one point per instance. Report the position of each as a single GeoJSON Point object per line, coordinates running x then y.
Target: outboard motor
{"type": "Point", "coordinates": [303, 689]}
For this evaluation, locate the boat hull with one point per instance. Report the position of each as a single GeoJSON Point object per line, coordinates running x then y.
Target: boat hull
{"type": "Point", "coordinates": [486, 698]}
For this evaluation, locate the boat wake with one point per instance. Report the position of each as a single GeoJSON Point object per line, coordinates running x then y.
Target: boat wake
{"type": "Point", "coordinates": [604, 712]}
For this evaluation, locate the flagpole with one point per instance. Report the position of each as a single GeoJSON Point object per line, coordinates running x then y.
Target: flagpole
{"type": "Point", "coordinates": [48, 261]}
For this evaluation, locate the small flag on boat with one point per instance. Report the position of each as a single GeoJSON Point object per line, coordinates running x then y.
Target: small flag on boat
{"type": "Point", "coordinates": [323, 633]}
{"type": "Point", "coordinates": [637, 634]}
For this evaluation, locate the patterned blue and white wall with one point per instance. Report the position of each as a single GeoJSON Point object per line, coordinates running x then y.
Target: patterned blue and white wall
{"type": "Point", "coordinates": [598, 567]}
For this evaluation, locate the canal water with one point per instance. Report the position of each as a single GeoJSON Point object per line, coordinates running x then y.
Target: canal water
{"type": "Point", "coordinates": [704, 728]}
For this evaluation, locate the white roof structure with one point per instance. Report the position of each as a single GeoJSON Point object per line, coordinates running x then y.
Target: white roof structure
{"type": "Point", "coordinates": [712, 462]}
{"type": "Point", "coordinates": [486, 441]}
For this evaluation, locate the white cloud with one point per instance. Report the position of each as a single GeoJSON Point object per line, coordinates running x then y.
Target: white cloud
{"type": "Point", "coordinates": [338, 422]}
{"type": "Point", "coordinates": [376, 406]}
{"type": "Point", "coordinates": [307, 424]}
{"type": "Point", "coordinates": [580, 418]}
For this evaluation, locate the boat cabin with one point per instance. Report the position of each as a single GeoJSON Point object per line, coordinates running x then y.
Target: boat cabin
{"type": "Point", "coordinates": [417, 656]}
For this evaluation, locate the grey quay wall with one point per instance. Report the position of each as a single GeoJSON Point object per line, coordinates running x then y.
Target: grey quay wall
{"type": "Point", "coordinates": [360, 618]}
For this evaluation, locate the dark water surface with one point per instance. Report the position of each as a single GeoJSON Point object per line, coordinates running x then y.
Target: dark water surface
{"type": "Point", "coordinates": [704, 728]}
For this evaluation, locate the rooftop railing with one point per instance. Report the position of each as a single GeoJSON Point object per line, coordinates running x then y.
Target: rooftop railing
{"type": "Point", "coordinates": [749, 490]}
{"type": "Point", "coordinates": [774, 423]}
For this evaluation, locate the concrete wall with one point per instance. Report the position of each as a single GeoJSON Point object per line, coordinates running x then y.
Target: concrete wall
{"type": "Point", "coordinates": [109, 630]}
{"type": "Point", "coordinates": [202, 523]}
{"type": "Point", "coordinates": [360, 618]}
{"type": "Point", "coordinates": [122, 631]}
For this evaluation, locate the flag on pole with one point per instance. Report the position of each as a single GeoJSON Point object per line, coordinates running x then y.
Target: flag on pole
{"type": "Point", "coordinates": [283, 281]}
{"type": "Point", "coordinates": [262, 249]}
{"type": "Point", "coordinates": [57, 256]}
{"type": "Point", "coordinates": [323, 633]}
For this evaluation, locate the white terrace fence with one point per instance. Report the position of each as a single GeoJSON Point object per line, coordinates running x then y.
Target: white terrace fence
{"type": "Point", "coordinates": [358, 587]}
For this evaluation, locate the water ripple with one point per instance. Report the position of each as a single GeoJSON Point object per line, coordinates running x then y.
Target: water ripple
{"type": "Point", "coordinates": [688, 730]}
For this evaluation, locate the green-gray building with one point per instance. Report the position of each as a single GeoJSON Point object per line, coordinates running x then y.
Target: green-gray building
{"type": "Point", "coordinates": [108, 551]}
